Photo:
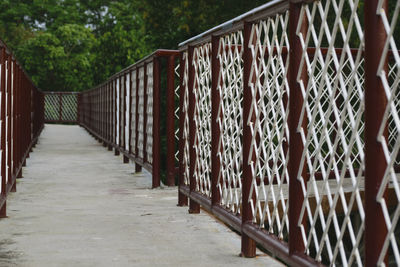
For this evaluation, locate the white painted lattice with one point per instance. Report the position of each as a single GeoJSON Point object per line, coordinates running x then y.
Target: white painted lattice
{"type": "Point", "coordinates": [69, 107]}
{"type": "Point", "coordinates": [122, 110]}
{"type": "Point", "coordinates": [269, 89]}
{"type": "Point", "coordinates": [202, 117]}
{"type": "Point", "coordinates": [331, 127]}
{"type": "Point", "coordinates": [141, 113]}
{"type": "Point", "coordinates": [127, 109]}
{"type": "Point", "coordinates": [176, 112]}
{"type": "Point", "coordinates": [51, 106]}
{"type": "Point", "coordinates": [133, 112]}
{"type": "Point", "coordinates": [230, 89]}
{"type": "Point", "coordinates": [185, 111]}
{"type": "Point", "coordinates": [117, 111]}
{"type": "Point", "coordinates": [149, 113]}
{"type": "Point", "coordinates": [390, 76]}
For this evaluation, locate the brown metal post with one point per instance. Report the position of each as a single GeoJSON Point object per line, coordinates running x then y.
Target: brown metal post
{"type": "Point", "coordinates": [9, 118]}
{"type": "Point", "coordinates": [215, 130]}
{"type": "Point", "coordinates": [182, 199]}
{"type": "Point", "coordinates": [90, 118]}
{"type": "Point", "coordinates": [107, 112]}
{"type": "Point", "coordinates": [15, 130]}
{"type": "Point", "coordinates": [78, 110]}
{"type": "Point", "coordinates": [3, 210]}
{"type": "Point", "coordinates": [121, 112]}
{"type": "Point", "coordinates": [375, 105]}
{"type": "Point", "coordinates": [60, 107]}
{"type": "Point", "coordinates": [104, 114]}
{"type": "Point", "coordinates": [15, 121]}
{"type": "Point", "coordinates": [110, 115]}
{"type": "Point", "coordinates": [194, 207]}
{"type": "Point", "coordinates": [296, 145]}
{"type": "Point", "coordinates": [170, 114]}
{"type": "Point", "coordinates": [13, 139]}
{"type": "Point", "coordinates": [116, 151]}
{"type": "Point", "coordinates": [145, 112]}
{"type": "Point", "coordinates": [18, 142]}
{"type": "Point", "coordinates": [248, 248]}
{"type": "Point", "coordinates": [156, 122]}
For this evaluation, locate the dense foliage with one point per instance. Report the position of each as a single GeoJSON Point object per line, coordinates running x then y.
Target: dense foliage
{"type": "Point", "coordinates": [72, 45]}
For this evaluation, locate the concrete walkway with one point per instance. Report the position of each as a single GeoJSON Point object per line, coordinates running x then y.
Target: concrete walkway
{"type": "Point", "coordinates": [78, 205]}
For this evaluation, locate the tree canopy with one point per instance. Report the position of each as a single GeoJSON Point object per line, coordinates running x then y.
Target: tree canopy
{"type": "Point", "coordinates": [72, 45]}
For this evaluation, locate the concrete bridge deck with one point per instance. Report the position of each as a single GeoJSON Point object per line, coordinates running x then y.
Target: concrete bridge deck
{"type": "Point", "coordinates": [78, 205]}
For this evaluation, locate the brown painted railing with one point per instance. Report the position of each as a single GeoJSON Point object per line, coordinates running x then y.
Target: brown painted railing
{"type": "Point", "coordinates": [272, 142]}
{"type": "Point", "coordinates": [61, 107]}
{"type": "Point", "coordinates": [288, 128]}
{"type": "Point", "coordinates": [22, 120]}
{"type": "Point", "coordinates": [124, 113]}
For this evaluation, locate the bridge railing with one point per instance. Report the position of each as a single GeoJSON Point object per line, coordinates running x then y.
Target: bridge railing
{"type": "Point", "coordinates": [22, 120]}
{"type": "Point", "coordinates": [289, 130]}
{"type": "Point", "coordinates": [124, 113]}
{"type": "Point", "coordinates": [61, 107]}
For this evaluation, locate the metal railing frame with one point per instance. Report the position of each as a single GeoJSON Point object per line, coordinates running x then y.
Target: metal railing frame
{"type": "Point", "coordinates": [22, 120]}
{"type": "Point", "coordinates": [104, 116]}
{"type": "Point", "coordinates": [61, 107]}
{"type": "Point", "coordinates": [98, 114]}
{"type": "Point", "coordinates": [293, 251]}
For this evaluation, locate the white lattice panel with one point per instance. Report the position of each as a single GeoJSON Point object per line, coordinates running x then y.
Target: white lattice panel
{"type": "Point", "coordinates": [333, 112]}
{"type": "Point", "coordinates": [51, 107]}
{"type": "Point", "coordinates": [230, 80]}
{"type": "Point", "coordinates": [177, 92]}
{"type": "Point", "coordinates": [122, 110]}
{"type": "Point", "coordinates": [117, 111]}
{"type": "Point", "coordinates": [133, 112]}
{"type": "Point", "coordinates": [202, 117]}
{"type": "Point", "coordinates": [141, 113]}
{"type": "Point", "coordinates": [149, 113]}
{"type": "Point", "coordinates": [69, 107]}
{"type": "Point", "coordinates": [127, 115]}
{"type": "Point", "coordinates": [269, 89]}
{"type": "Point", "coordinates": [390, 76]}
{"type": "Point", "coordinates": [185, 111]}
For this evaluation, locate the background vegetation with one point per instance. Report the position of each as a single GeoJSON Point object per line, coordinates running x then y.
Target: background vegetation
{"type": "Point", "coordinates": [72, 45]}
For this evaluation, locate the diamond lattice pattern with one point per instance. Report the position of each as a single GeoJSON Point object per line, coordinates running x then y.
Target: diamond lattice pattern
{"type": "Point", "coordinates": [149, 113]}
{"type": "Point", "coordinates": [331, 126]}
{"type": "Point", "coordinates": [202, 117]}
{"type": "Point", "coordinates": [389, 74]}
{"type": "Point", "coordinates": [269, 150]}
{"type": "Point", "coordinates": [230, 89]}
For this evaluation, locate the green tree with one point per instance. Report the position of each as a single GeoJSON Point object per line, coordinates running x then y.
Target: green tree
{"type": "Point", "coordinates": [75, 44]}
{"type": "Point", "coordinates": [186, 18]}
{"type": "Point", "coordinates": [62, 60]}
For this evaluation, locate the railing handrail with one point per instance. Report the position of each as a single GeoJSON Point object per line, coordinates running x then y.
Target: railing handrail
{"type": "Point", "coordinates": [106, 112]}
{"type": "Point", "coordinates": [60, 92]}
{"type": "Point", "coordinates": [158, 53]}
{"type": "Point", "coordinates": [24, 114]}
